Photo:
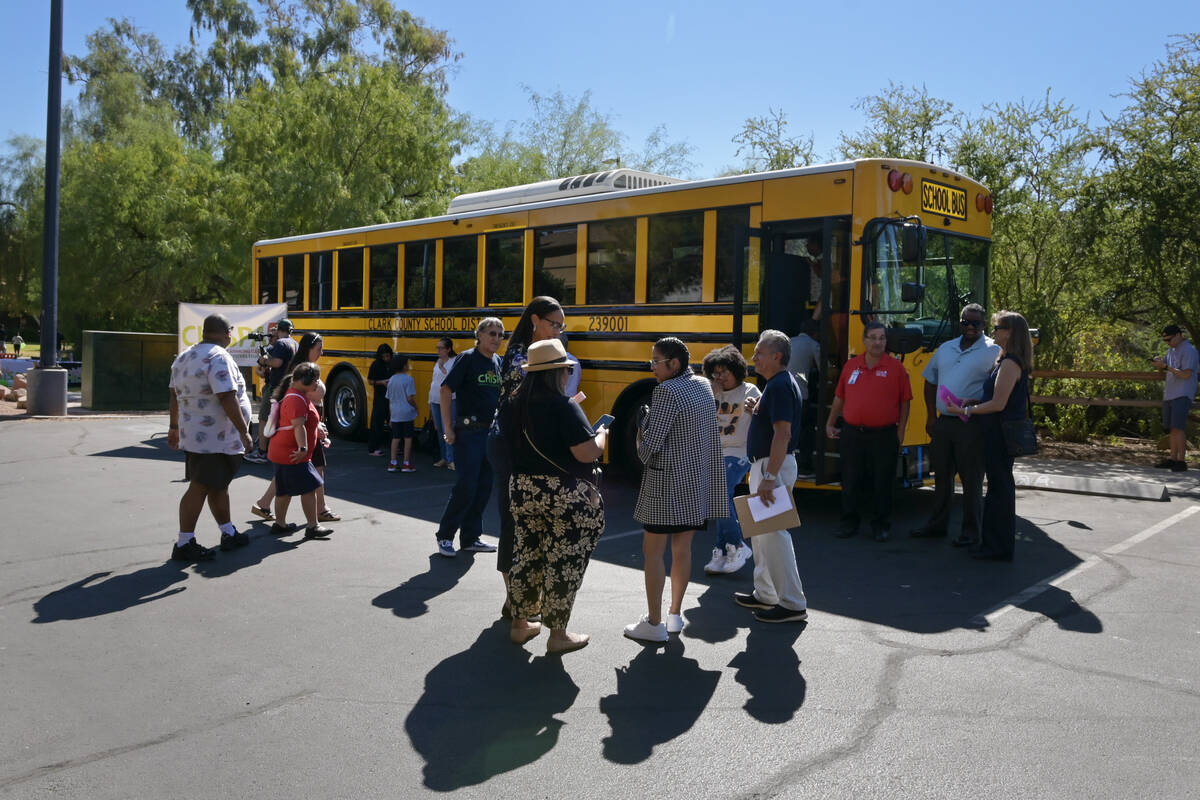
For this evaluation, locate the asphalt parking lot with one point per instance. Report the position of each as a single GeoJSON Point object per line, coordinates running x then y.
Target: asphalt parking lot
{"type": "Point", "coordinates": [365, 666]}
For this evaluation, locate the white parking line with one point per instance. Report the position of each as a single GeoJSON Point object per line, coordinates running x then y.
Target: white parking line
{"type": "Point", "coordinates": [1054, 580]}
{"type": "Point", "coordinates": [607, 538]}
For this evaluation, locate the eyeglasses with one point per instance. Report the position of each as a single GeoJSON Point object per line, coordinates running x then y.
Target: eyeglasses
{"type": "Point", "coordinates": [229, 329]}
{"type": "Point", "coordinates": [655, 362]}
{"type": "Point", "coordinates": [497, 334]}
{"type": "Point", "coordinates": [971, 323]}
{"type": "Point", "coordinates": [558, 326]}
{"type": "Point", "coordinates": [1000, 328]}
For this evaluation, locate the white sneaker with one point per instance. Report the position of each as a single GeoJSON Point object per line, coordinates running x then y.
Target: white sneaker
{"type": "Point", "coordinates": [736, 556]}
{"type": "Point", "coordinates": [674, 623]}
{"type": "Point", "coordinates": [717, 565]}
{"type": "Point", "coordinates": [643, 631]}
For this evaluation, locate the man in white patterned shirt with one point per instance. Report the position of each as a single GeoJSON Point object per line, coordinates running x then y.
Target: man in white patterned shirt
{"type": "Point", "coordinates": [210, 418]}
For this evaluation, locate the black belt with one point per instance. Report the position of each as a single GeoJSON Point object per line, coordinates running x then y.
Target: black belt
{"type": "Point", "coordinates": [866, 429]}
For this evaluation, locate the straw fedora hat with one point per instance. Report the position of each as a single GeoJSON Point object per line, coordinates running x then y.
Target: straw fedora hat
{"type": "Point", "coordinates": [546, 354]}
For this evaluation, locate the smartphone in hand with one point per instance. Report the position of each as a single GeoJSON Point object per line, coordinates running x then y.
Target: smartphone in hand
{"type": "Point", "coordinates": [603, 422]}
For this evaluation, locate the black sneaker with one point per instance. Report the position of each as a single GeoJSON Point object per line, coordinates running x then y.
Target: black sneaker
{"type": "Point", "coordinates": [1166, 463]}
{"type": "Point", "coordinates": [781, 614]}
{"type": "Point", "coordinates": [284, 530]}
{"type": "Point", "coordinates": [318, 532]}
{"type": "Point", "coordinates": [192, 551]}
{"type": "Point", "coordinates": [1178, 466]}
{"type": "Point", "coordinates": [236, 540]}
{"type": "Point", "coordinates": [748, 600]}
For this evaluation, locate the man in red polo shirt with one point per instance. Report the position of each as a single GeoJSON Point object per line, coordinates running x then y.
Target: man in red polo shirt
{"type": "Point", "coordinates": [872, 399]}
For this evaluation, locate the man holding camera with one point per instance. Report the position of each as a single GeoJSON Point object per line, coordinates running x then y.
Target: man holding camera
{"type": "Point", "coordinates": [1181, 365]}
{"type": "Point", "coordinates": [273, 359]}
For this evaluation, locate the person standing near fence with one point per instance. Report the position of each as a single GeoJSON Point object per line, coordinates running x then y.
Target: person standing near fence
{"type": "Point", "coordinates": [958, 368]}
{"type": "Point", "coordinates": [872, 398]}
{"type": "Point", "coordinates": [209, 421]}
{"type": "Point", "coordinates": [1005, 398]}
{"type": "Point", "coordinates": [1182, 367]}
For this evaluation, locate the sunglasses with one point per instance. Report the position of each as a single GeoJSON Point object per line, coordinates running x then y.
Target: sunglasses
{"type": "Point", "coordinates": [971, 323]}
{"type": "Point", "coordinates": [558, 326]}
{"type": "Point", "coordinates": [1000, 328]}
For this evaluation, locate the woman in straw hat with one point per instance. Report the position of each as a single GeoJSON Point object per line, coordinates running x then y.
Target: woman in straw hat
{"type": "Point", "coordinates": [557, 509]}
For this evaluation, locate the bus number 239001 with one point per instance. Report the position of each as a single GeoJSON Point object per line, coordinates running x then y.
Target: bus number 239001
{"type": "Point", "coordinates": [608, 324]}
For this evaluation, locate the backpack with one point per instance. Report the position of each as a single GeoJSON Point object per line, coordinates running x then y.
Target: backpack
{"type": "Point", "coordinates": [272, 423]}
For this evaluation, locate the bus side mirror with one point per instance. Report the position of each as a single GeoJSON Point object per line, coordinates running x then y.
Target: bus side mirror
{"type": "Point", "coordinates": [903, 341]}
{"type": "Point", "coordinates": [912, 292]}
{"type": "Point", "coordinates": [912, 243]}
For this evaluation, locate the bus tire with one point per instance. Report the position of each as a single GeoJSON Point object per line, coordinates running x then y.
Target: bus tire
{"type": "Point", "coordinates": [346, 407]}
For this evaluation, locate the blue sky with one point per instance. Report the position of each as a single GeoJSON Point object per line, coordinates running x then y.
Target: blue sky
{"type": "Point", "coordinates": [702, 68]}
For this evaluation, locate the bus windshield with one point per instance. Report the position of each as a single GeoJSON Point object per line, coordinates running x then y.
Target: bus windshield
{"type": "Point", "coordinates": [954, 274]}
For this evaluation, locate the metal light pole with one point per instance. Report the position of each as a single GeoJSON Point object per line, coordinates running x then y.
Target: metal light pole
{"type": "Point", "coordinates": [47, 394]}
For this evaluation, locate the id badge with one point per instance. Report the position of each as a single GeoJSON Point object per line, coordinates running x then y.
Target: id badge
{"type": "Point", "coordinates": [853, 377]}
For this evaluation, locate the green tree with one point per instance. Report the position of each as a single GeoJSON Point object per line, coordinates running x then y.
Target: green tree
{"type": "Point", "coordinates": [1150, 190]}
{"type": "Point", "coordinates": [763, 143]}
{"type": "Point", "coordinates": [903, 123]}
{"type": "Point", "coordinates": [22, 186]}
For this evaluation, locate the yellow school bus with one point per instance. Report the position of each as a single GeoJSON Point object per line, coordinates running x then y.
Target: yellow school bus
{"type": "Point", "coordinates": [633, 257]}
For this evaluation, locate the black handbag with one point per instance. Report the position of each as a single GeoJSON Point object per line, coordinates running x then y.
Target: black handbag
{"type": "Point", "coordinates": [1020, 436]}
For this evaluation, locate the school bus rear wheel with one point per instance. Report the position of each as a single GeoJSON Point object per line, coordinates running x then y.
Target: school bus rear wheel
{"type": "Point", "coordinates": [346, 407]}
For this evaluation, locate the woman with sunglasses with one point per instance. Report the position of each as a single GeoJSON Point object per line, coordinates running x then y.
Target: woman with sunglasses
{"type": "Point", "coordinates": [683, 484]}
{"type": "Point", "coordinates": [474, 385]}
{"type": "Point", "coordinates": [1005, 397]}
{"type": "Point", "coordinates": [542, 320]}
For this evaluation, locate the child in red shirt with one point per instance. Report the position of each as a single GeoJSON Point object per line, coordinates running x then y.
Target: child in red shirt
{"type": "Point", "coordinates": [292, 447]}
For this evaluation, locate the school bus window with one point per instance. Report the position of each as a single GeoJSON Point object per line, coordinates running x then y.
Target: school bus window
{"type": "Point", "coordinates": [320, 281]}
{"type": "Point", "coordinates": [419, 278]}
{"type": "Point", "coordinates": [675, 264]}
{"type": "Point", "coordinates": [612, 249]}
{"type": "Point", "coordinates": [505, 267]}
{"type": "Point", "coordinates": [293, 282]}
{"type": "Point", "coordinates": [554, 263]}
{"type": "Point", "coordinates": [459, 263]}
{"type": "Point", "coordinates": [350, 278]}
{"type": "Point", "coordinates": [383, 276]}
{"type": "Point", "coordinates": [268, 280]}
{"type": "Point", "coordinates": [729, 222]}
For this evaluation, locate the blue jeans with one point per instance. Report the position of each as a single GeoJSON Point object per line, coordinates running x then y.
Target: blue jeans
{"type": "Point", "coordinates": [435, 411]}
{"type": "Point", "coordinates": [472, 490]}
{"type": "Point", "coordinates": [729, 531]}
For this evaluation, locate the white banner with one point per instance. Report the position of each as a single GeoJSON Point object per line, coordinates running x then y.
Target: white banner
{"type": "Point", "coordinates": [244, 319]}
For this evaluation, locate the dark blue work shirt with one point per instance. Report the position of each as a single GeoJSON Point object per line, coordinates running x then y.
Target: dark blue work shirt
{"type": "Point", "coordinates": [475, 380]}
{"type": "Point", "coordinates": [780, 402]}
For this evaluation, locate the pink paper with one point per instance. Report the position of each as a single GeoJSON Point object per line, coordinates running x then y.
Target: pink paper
{"type": "Point", "coordinates": [949, 398]}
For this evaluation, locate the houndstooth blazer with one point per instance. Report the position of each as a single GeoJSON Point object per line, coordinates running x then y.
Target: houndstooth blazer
{"type": "Point", "coordinates": [684, 479]}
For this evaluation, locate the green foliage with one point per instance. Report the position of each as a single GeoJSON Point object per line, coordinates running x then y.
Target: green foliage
{"type": "Point", "coordinates": [903, 123]}
{"type": "Point", "coordinates": [764, 144]}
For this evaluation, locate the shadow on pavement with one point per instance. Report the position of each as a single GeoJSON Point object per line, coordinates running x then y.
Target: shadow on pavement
{"type": "Point", "coordinates": [411, 598]}
{"type": "Point", "coordinates": [770, 670]}
{"type": "Point", "coordinates": [660, 695]}
{"type": "Point", "coordinates": [89, 598]}
{"type": "Point", "coordinates": [1060, 606]}
{"type": "Point", "coordinates": [488, 710]}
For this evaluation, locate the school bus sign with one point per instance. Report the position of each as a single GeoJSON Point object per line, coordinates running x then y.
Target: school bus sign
{"type": "Point", "coordinates": [945, 201]}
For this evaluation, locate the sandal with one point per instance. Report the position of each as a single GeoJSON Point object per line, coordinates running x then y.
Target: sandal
{"type": "Point", "coordinates": [259, 511]}
{"type": "Point", "coordinates": [328, 516]}
{"type": "Point", "coordinates": [523, 635]}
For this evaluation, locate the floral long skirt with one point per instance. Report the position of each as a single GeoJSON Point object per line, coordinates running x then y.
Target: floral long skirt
{"type": "Point", "coordinates": [558, 522]}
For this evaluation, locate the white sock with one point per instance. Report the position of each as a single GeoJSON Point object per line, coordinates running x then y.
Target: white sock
{"type": "Point", "coordinates": [185, 537]}
{"type": "Point", "coordinates": [228, 529]}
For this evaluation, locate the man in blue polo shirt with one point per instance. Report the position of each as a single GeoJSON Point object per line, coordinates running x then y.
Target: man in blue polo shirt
{"type": "Point", "coordinates": [960, 366]}
{"type": "Point", "coordinates": [1181, 365]}
{"type": "Point", "coordinates": [773, 435]}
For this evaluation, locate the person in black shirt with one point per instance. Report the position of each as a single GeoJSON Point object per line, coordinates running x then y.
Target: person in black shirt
{"type": "Point", "coordinates": [377, 379]}
{"type": "Point", "coordinates": [475, 381]}
{"type": "Point", "coordinates": [774, 434]}
{"type": "Point", "coordinates": [557, 510]}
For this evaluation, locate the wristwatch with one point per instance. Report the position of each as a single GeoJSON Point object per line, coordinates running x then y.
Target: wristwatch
{"type": "Point", "coordinates": [767, 476]}
{"type": "Point", "coordinates": [303, 449]}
